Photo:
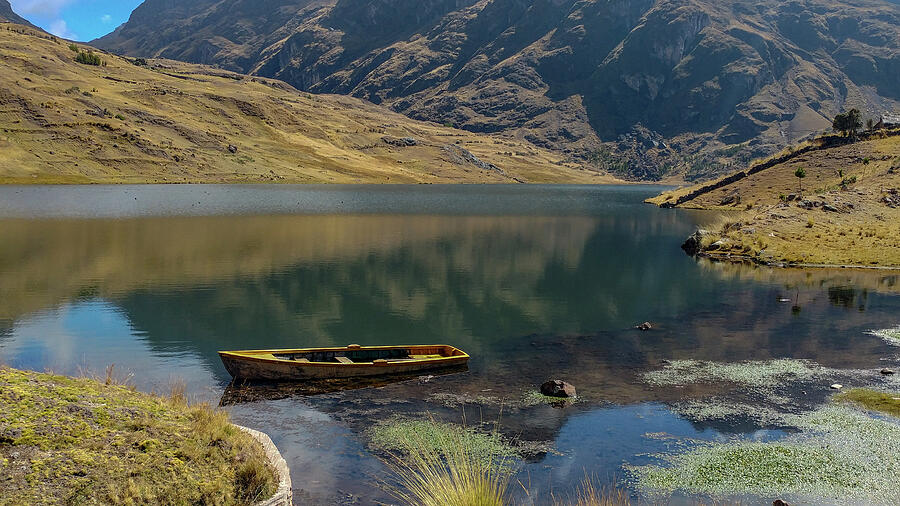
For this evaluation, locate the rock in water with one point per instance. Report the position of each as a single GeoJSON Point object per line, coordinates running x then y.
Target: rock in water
{"type": "Point", "coordinates": [692, 245]}
{"type": "Point", "coordinates": [557, 388]}
{"type": "Point", "coordinates": [887, 371]}
{"type": "Point", "coordinates": [779, 502]}
{"type": "Point", "coordinates": [644, 326]}
{"type": "Point", "coordinates": [837, 386]}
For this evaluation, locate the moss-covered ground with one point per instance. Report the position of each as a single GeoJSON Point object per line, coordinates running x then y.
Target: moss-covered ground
{"type": "Point", "coordinates": [874, 400]}
{"type": "Point", "coordinates": [81, 441]}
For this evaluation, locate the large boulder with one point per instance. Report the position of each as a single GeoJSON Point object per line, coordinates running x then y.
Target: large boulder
{"type": "Point", "coordinates": [692, 245]}
{"type": "Point", "coordinates": [558, 388]}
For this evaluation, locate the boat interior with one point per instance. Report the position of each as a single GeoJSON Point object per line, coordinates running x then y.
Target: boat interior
{"type": "Point", "coordinates": [350, 356]}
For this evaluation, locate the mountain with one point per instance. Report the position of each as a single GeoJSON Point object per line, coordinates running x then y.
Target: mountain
{"type": "Point", "coordinates": [644, 87]}
{"type": "Point", "coordinates": [167, 121]}
{"type": "Point", "coordinates": [8, 16]}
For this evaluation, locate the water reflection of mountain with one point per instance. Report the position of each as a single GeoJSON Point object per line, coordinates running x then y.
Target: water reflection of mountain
{"type": "Point", "coordinates": [527, 297]}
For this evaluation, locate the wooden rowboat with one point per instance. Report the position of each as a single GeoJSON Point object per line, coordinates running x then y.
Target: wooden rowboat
{"type": "Point", "coordinates": [342, 362]}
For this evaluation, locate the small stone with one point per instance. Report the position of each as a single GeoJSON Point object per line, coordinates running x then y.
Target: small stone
{"type": "Point", "coordinates": [779, 502]}
{"type": "Point", "coordinates": [837, 386]}
{"type": "Point", "coordinates": [887, 371]}
{"type": "Point", "coordinates": [232, 148]}
{"type": "Point", "coordinates": [557, 388]}
{"type": "Point", "coordinates": [644, 326]}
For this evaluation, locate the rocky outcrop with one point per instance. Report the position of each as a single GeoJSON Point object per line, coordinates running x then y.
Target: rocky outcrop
{"type": "Point", "coordinates": [652, 84]}
{"type": "Point", "coordinates": [558, 388]}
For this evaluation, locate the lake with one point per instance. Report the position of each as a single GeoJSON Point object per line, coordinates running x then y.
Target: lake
{"type": "Point", "coordinates": [534, 282]}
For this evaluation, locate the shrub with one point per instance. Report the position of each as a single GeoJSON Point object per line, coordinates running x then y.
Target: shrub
{"type": "Point", "coordinates": [120, 117]}
{"type": "Point", "coordinates": [88, 58]}
{"type": "Point", "coordinates": [140, 62]}
{"type": "Point", "coordinates": [73, 47]}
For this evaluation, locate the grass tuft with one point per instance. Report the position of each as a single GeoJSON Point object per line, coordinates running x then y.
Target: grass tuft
{"type": "Point", "coordinates": [446, 465]}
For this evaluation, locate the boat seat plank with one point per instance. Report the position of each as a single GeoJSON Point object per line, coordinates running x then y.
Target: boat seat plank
{"type": "Point", "coordinates": [302, 360]}
{"type": "Point", "coordinates": [343, 360]}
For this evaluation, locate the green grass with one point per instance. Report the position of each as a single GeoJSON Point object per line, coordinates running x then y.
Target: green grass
{"type": "Point", "coordinates": [884, 402]}
{"type": "Point", "coordinates": [82, 441]}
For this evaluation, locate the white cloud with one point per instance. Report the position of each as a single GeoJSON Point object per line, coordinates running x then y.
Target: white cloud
{"type": "Point", "coordinates": [39, 7]}
{"type": "Point", "coordinates": [61, 29]}
{"type": "Point", "coordinates": [105, 19]}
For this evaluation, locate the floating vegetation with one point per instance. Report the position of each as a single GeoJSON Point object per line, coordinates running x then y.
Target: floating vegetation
{"type": "Point", "coordinates": [890, 336]}
{"type": "Point", "coordinates": [839, 453]}
{"type": "Point", "coordinates": [707, 410]}
{"type": "Point", "coordinates": [535, 398]}
{"type": "Point", "coordinates": [452, 400]}
{"type": "Point", "coordinates": [757, 373]}
{"type": "Point", "coordinates": [411, 437]}
{"type": "Point", "coordinates": [874, 400]}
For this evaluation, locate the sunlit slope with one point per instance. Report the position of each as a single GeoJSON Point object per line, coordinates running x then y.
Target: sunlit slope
{"type": "Point", "coordinates": [66, 122]}
{"type": "Point", "coordinates": [847, 212]}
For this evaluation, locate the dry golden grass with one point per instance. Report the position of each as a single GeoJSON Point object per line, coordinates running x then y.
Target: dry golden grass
{"type": "Point", "coordinates": [171, 122]}
{"type": "Point", "coordinates": [858, 229]}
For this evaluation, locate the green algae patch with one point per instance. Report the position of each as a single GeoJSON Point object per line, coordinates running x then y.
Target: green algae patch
{"type": "Point", "coordinates": [874, 400]}
{"type": "Point", "coordinates": [413, 437]}
{"type": "Point", "coordinates": [890, 336]}
{"type": "Point", "coordinates": [838, 453]}
{"type": "Point", "coordinates": [76, 440]}
{"type": "Point", "coordinates": [755, 373]}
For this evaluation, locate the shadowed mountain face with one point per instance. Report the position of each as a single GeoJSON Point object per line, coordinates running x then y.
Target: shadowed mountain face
{"type": "Point", "coordinates": [660, 79]}
{"type": "Point", "coordinates": [7, 14]}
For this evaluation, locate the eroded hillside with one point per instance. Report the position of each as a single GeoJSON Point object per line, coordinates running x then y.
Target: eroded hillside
{"type": "Point", "coordinates": [164, 121]}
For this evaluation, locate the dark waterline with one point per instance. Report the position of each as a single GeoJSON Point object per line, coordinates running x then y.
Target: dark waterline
{"type": "Point", "coordinates": [533, 281]}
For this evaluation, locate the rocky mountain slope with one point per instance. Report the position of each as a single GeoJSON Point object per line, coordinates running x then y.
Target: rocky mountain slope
{"type": "Point", "coordinates": [166, 121]}
{"type": "Point", "coordinates": [647, 88]}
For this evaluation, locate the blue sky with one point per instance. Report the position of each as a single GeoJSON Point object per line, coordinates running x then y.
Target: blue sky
{"type": "Point", "coordinates": [80, 20]}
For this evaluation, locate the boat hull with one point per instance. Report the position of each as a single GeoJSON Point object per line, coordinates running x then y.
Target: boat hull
{"type": "Point", "coordinates": [265, 366]}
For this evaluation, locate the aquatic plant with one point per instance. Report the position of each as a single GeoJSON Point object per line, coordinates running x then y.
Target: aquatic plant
{"type": "Point", "coordinates": [413, 437]}
{"type": "Point", "coordinates": [840, 452]}
{"type": "Point", "coordinates": [890, 336]}
{"type": "Point", "coordinates": [758, 373]}
{"type": "Point", "coordinates": [535, 398]}
{"type": "Point", "coordinates": [874, 400]}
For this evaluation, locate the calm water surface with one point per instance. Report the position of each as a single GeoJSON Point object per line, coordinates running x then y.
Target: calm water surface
{"type": "Point", "coordinates": [535, 282]}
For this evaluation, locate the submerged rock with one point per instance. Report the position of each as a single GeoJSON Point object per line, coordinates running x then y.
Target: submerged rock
{"type": "Point", "coordinates": [644, 326]}
{"type": "Point", "coordinates": [557, 388]}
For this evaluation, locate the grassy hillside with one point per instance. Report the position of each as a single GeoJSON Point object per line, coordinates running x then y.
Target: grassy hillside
{"type": "Point", "coordinates": [118, 122]}
{"type": "Point", "coordinates": [848, 212]}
